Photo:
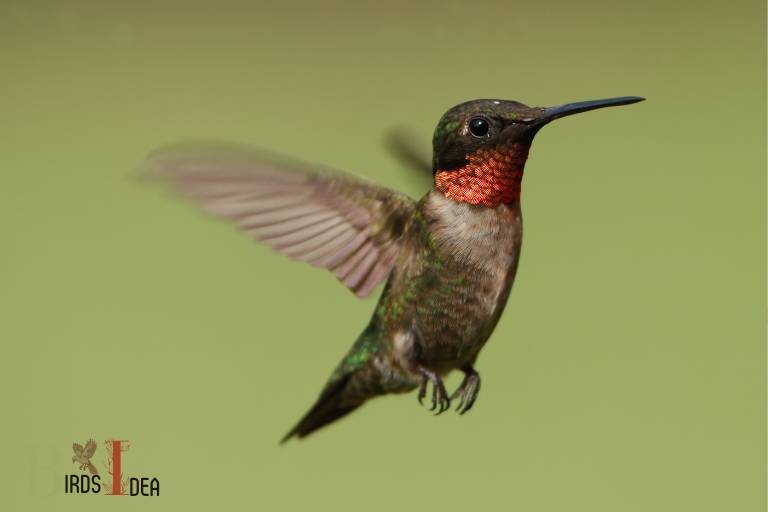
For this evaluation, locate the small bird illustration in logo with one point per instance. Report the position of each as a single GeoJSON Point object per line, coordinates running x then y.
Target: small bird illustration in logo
{"type": "Point", "coordinates": [448, 260]}
{"type": "Point", "coordinates": [83, 456]}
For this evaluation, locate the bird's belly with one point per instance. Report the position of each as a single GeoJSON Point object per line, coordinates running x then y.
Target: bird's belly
{"type": "Point", "coordinates": [456, 315]}
{"type": "Point", "coordinates": [451, 335]}
{"type": "Point", "coordinates": [458, 286]}
{"type": "Point", "coordinates": [476, 252]}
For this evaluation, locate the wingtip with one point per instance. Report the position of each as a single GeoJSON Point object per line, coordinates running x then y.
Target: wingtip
{"type": "Point", "coordinates": [150, 171]}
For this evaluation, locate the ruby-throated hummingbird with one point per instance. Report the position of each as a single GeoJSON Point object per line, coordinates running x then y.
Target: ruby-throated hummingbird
{"type": "Point", "coordinates": [448, 259]}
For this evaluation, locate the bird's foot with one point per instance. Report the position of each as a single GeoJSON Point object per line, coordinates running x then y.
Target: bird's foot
{"type": "Point", "coordinates": [440, 399]}
{"type": "Point", "coordinates": [468, 391]}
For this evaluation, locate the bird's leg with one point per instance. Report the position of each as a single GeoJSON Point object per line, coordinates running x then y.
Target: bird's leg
{"type": "Point", "coordinates": [467, 392]}
{"type": "Point", "coordinates": [440, 399]}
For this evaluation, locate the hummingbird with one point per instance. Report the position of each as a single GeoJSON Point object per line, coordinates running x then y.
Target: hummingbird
{"type": "Point", "coordinates": [448, 260]}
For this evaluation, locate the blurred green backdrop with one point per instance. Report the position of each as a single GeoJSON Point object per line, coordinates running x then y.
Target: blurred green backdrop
{"type": "Point", "coordinates": [626, 375]}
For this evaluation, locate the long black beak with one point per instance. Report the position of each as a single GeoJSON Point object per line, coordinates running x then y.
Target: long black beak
{"type": "Point", "coordinates": [552, 113]}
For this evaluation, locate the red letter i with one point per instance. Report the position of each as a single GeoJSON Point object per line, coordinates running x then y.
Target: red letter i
{"type": "Point", "coordinates": [117, 476]}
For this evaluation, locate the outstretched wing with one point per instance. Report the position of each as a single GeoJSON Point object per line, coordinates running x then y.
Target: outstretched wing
{"type": "Point", "coordinates": [328, 219]}
{"type": "Point", "coordinates": [90, 449]}
{"type": "Point", "coordinates": [77, 448]}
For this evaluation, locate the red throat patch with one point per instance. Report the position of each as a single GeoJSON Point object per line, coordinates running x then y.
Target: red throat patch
{"type": "Point", "coordinates": [492, 176]}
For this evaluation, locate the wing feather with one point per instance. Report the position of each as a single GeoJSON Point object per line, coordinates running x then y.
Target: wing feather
{"type": "Point", "coordinates": [326, 218]}
{"type": "Point", "coordinates": [268, 218]}
{"type": "Point", "coordinates": [90, 449]}
{"type": "Point", "coordinates": [354, 259]}
{"type": "Point", "coordinates": [319, 241]}
{"type": "Point", "coordinates": [332, 260]}
{"type": "Point", "coordinates": [302, 224]}
{"type": "Point", "coordinates": [355, 278]}
{"type": "Point", "coordinates": [317, 256]}
{"type": "Point", "coordinates": [290, 241]}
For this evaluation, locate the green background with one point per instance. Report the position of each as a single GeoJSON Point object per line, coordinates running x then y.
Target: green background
{"type": "Point", "coordinates": [627, 373]}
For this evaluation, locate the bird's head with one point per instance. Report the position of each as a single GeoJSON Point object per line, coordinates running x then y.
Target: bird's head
{"type": "Point", "coordinates": [480, 147]}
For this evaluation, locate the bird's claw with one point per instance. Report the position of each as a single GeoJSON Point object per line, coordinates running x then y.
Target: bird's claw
{"type": "Point", "coordinates": [440, 399]}
{"type": "Point", "coordinates": [467, 392]}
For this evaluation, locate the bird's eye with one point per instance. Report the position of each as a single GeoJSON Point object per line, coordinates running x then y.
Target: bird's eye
{"type": "Point", "coordinates": [479, 127]}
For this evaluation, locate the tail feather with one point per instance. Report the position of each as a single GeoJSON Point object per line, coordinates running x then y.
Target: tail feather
{"type": "Point", "coordinates": [329, 407]}
{"type": "Point", "coordinates": [347, 390]}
